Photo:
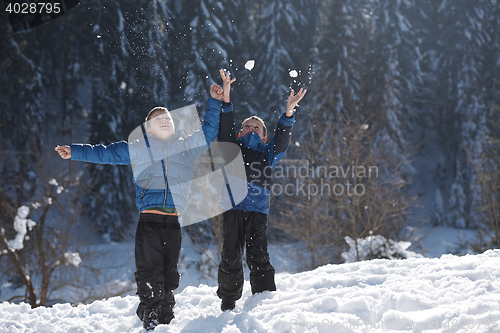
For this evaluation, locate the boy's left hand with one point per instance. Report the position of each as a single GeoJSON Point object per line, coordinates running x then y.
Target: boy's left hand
{"type": "Point", "coordinates": [293, 100]}
{"type": "Point", "coordinates": [64, 151]}
{"type": "Point", "coordinates": [226, 82]}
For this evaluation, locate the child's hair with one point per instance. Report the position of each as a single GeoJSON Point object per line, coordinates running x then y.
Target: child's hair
{"type": "Point", "coordinates": [150, 113]}
{"type": "Point", "coordinates": [260, 120]}
{"type": "Point", "coordinates": [155, 109]}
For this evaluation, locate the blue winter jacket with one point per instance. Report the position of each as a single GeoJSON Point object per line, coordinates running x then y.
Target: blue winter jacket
{"type": "Point", "coordinates": [158, 183]}
{"type": "Point", "coordinates": [258, 157]}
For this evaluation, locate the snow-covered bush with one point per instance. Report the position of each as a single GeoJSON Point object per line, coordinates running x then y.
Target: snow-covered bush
{"type": "Point", "coordinates": [21, 226]}
{"type": "Point", "coordinates": [377, 247]}
{"type": "Point", "coordinates": [44, 253]}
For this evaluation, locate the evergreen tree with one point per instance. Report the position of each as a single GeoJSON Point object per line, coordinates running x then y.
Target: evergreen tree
{"type": "Point", "coordinates": [361, 89]}
{"type": "Point", "coordinates": [282, 41]}
{"type": "Point", "coordinates": [208, 40]}
{"type": "Point", "coordinates": [456, 59]}
{"type": "Point", "coordinates": [22, 118]}
{"type": "Point", "coordinates": [239, 25]}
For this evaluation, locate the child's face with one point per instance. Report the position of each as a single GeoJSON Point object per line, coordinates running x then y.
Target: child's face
{"type": "Point", "coordinates": [253, 125]}
{"type": "Point", "coordinates": [161, 125]}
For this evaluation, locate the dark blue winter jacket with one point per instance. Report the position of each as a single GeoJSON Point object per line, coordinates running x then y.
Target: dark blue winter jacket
{"type": "Point", "coordinates": [158, 184]}
{"type": "Point", "coordinates": [258, 157]}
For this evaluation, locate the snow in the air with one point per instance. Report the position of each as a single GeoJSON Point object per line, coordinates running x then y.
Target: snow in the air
{"type": "Point", "coordinates": [250, 64]}
{"type": "Point", "coordinates": [447, 294]}
{"type": "Point", "coordinates": [293, 73]}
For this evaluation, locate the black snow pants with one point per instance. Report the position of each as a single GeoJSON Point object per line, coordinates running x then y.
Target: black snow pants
{"type": "Point", "coordinates": [157, 249]}
{"type": "Point", "coordinates": [240, 227]}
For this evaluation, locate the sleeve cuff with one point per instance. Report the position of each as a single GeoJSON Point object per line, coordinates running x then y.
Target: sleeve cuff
{"type": "Point", "coordinates": [77, 152]}
{"type": "Point", "coordinates": [227, 107]}
{"type": "Point", "coordinates": [286, 121]}
{"type": "Point", "coordinates": [216, 104]}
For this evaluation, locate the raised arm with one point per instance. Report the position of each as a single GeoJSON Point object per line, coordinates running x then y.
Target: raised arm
{"type": "Point", "coordinates": [199, 141]}
{"type": "Point", "coordinates": [226, 82]}
{"type": "Point", "coordinates": [293, 100]}
{"type": "Point", "coordinates": [277, 147]}
{"type": "Point", "coordinates": [210, 126]}
{"type": "Point", "coordinates": [211, 121]}
{"type": "Point", "coordinates": [226, 130]}
{"type": "Point", "coordinates": [279, 144]}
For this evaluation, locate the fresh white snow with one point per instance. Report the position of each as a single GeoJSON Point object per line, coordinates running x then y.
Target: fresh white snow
{"type": "Point", "coordinates": [377, 246]}
{"type": "Point", "coordinates": [21, 226]}
{"type": "Point", "coordinates": [447, 294]}
{"type": "Point", "coordinates": [250, 64]}
{"type": "Point", "coordinates": [72, 258]}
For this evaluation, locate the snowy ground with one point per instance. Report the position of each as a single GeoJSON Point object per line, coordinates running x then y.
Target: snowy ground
{"type": "Point", "coordinates": [449, 294]}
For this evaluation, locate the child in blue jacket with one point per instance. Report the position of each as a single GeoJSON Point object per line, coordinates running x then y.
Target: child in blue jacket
{"type": "Point", "coordinates": [246, 222]}
{"type": "Point", "coordinates": [162, 162]}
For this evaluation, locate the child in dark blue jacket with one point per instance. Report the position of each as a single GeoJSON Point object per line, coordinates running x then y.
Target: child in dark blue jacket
{"type": "Point", "coordinates": [246, 222]}
{"type": "Point", "coordinates": [162, 161]}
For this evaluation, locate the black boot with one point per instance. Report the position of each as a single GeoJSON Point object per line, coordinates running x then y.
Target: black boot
{"type": "Point", "coordinates": [166, 315]}
{"type": "Point", "coordinates": [150, 319]}
{"type": "Point", "coordinates": [227, 305]}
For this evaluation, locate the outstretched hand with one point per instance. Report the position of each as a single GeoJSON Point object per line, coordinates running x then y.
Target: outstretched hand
{"type": "Point", "coordinates": [216, 91]}
{"type": "Point", "coordinates": [64, 151]}
{"type": "Point", "coordinates": [226, 83]}
{"type": "Point", "coordinates": [293, 100]}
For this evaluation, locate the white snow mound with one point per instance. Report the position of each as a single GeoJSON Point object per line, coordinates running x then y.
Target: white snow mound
{"type": "Point", "coordinates": [449, 294]}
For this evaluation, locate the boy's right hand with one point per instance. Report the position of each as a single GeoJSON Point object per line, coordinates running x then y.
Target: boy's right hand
{"type": "Point", "coordinates": [64, 151]}
{"type": "Point", "coordinates": [216, 91]}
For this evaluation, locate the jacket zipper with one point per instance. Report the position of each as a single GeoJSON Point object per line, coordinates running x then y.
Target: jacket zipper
{"type": "Point", "coordinates": [183, 191]}
{"type": "Point", "coordinates": [145, 188]}
{"type": "Point", "coordinates": [165, 158]}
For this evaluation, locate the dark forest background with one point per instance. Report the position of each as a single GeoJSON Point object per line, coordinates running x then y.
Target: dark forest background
{"type": "Point", "coordinates": [408, 85]}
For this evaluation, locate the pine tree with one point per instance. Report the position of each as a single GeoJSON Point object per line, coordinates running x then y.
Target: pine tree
{"type": "Point", "coordinates": [456, 64]}
{"type": "Point", "coordinates": [207, 42]}
{"type": "Point", "coordinates": [22, 117]}
{"type": "Point", "coordinates": [361, 88]}
{"type": "Point", "coordinates": [239, 26]}
{"type": "Point", "coordinates": [282, 40]}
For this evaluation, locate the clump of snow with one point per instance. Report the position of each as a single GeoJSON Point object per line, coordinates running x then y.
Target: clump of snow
{"type": "Point", "coordinates": [250, 64]}
{"type": "Point", "coordinates": [55, 183]}
{"type": "Point", "coordinates": [293, 73]}
{"type": "Point", "coordinates": [72, 258]}
{"type": "Point", "coordinates": [21, 225]}
{"type": "Point", "coordinates": [450, 294]}
{"type": "Point", "coordinates": [377, 247]}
